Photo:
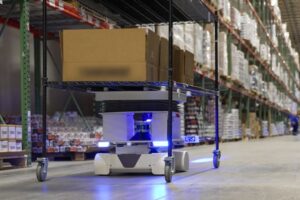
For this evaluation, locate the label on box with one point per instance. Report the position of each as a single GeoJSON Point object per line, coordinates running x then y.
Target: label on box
{"type": "Point", "coordinates": [12, 132]}
{"type": "Point", "coordinates": [18, 132]}
{"type": "Point", "coordinates": [4, 132]}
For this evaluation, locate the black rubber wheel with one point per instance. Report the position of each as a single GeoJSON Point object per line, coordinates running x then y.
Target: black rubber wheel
{"type": "Point", "coordinates": [41, 174]}
{"type": "Point", "coordinates": [168, 173]}
{"type": "Point", "coordinates": [216, 161]}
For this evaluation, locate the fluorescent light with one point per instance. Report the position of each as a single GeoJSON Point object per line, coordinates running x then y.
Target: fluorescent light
{"type": "Point", "coordinates": [103, 144]}
{"type": "Point", "coordinates": [160, 143]}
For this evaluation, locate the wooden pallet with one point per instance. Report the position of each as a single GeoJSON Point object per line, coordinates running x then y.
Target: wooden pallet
{"type": "Point", "coordinates": [10, 160]}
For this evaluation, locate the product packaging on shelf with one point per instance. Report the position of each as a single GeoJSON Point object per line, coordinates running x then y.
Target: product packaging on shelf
{"type": "Point", "coordinates": [11, 131]}
{"type": "Point", "coordinates": [198, 35]}
{"type": "Point", "coordinates": [12, 146]}
{"type": "Point", "coordinates": [4, 146]}
{"type": "Point", "coordinates": [69, 134]}
{"type": "Point", "coordinates": [189, 37]}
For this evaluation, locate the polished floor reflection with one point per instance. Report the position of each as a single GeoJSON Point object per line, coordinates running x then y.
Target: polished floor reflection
{"type": "Point", "coordinates": [262, 169]}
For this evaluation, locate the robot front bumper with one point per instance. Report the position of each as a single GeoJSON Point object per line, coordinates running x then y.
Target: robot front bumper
{"type": "Point", "coordinates": [106, 163]}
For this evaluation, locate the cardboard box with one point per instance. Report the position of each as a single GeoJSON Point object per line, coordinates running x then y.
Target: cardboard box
{"type": "Point", "coordinates": [18, 132]}
{"type": "Point", "coordinates": [3, 131]}
{"type": "Point", "coordinates": [12, 146]}
{"type": "Point", "coordinates": [178, 62]}
{"type": "Point", "coordinates": [188, 64]}
{"type": "Point", "coordinates": [3, 146]}
{"type": "Point", "coordinates": [11, 131]}
{"type": "Point", "coordinates": [110, 55]}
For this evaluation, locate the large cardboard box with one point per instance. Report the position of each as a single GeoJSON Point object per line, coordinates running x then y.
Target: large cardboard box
{"type": "Point", "coordinates": [178, 62]}
{"type": "Point", "coordinates": [110, 55]}
{"type": "Point", "coordinates": [183, 64]}
{"type": "Point", "coordinates": [189, 64]}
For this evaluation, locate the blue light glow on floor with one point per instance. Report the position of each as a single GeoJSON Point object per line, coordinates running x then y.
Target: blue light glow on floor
{"type": "Point", "coordinates": [203, 160]}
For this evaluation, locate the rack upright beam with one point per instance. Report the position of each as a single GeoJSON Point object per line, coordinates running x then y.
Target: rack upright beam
{"type": "Point", "coordinates": [25, 77]}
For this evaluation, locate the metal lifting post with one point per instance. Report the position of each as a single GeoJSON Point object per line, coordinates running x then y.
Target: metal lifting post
{"type": "Point", "coordinates": [44, 79]}
{"type": "Point", "coordinates": [217, 90]}
{"type": "Point", "coordinates": [169, 160]}
{"type": "Point", "coordinates": [216, 153]}
{"type": "Point", "coordinates": [42, 167]}
{"type": "Point", "coordinates": [170, 80]}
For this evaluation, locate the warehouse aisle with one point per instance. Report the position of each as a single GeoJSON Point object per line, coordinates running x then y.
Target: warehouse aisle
{"type": "Point", "coordinates": [261, 169]}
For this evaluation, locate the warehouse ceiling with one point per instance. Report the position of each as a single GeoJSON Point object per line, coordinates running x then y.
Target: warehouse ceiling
{"type": "Point", "coordinates": [290, 12]}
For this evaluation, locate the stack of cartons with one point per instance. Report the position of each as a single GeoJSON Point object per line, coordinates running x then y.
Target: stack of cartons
{"type": "Point", "coordinates": [193, 116]}
{"type": "Point", "coordinates": [254, 125]}
{"type": "Point", "coordinates": [110, 55]}
{"type": "Point", "coordinates": [198, 38]}
{"type": "Point", "coordinates": [66, 135]}
{"type": "Point", "coordinates": [207, 52]}
{"type": "Point", "coordinates": [265, 129]}
{"type": "Point", "coordinates": [183, 64]}
{"type": "Point", "coordinates": [189, 37]}
{"type": "Point", "coordinates": [231, 125]}
{"type": "Point", "coordinates": [235, 18]}
{"type": "Point", "coordinates": [4, 138]}
{"type": "Point", "coordinates": [274, 131]}
{"type": "Point", "coordinates": [223, 56]}
{"type": "Point", "coordinates": [224, 6]}
{"type": "Point", "coordinates": [10, 138]}
{"type": "Point", "coordinates": [179, 35]}
{"type": "Point", "coordinates": [281, 129]}
{"type": "Point", "coordinates": [235, 60]}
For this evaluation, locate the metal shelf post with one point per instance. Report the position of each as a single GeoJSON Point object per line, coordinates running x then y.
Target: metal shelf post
{"type": "Point", "coordinates": [25, 78]}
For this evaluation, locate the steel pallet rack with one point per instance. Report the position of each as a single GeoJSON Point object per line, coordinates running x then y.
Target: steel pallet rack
{"type": "Point", "coordinates": [166, 11]}
{"type": "Point", "coordinates": [266, 106]}
{"type": "Point", "coordinates": [27, 17]}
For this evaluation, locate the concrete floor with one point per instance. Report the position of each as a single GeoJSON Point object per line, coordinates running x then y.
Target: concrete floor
{"type": "Point", "coordinates": [254, 170]}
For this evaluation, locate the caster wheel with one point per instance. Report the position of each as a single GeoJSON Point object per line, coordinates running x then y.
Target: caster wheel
{"type": "Point", "coordinates": [168, 173]}
{"type": "Point", "coordinates": [216, 161]}
{"type": "Point", "coordinates": [41, 172]}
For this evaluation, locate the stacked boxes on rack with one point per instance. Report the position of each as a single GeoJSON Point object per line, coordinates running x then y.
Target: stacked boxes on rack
{"type": "Point", "coordinates": [223, 54]}
{"type": "Point", "coordinates": [193, 116]}
{"type": "Point", "coordinates": [69, 134]}
{"type": "Point", "coordinates": [278, 128]}
{"type": "Point", "coordinates": [231, 125]}
{"type": "Point", "coordinates": [240, 67]}
{"type": "Point", "coordinates": [10, 138]}
{"type": "Point", "coordinates": [127, 54]}
{"type": "Point", "coordinates": [254, 125]}
{"type": "Point", "coordinates": [249, 30]}
{"type": "Point", "coordinates": [235, 18]}
{"type": "Point", "coordinates": [224, 7]}
{"type": "Point", "coordinates": [265, 128]}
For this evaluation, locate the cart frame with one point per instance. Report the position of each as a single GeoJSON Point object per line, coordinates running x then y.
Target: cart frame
{"type": "Point", "coordinates": [169, 161]}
